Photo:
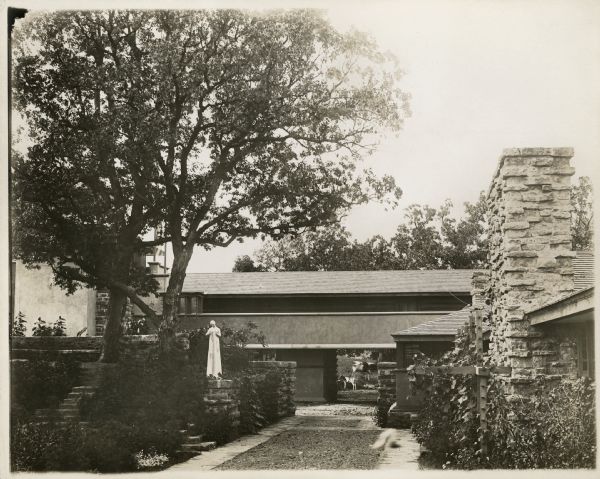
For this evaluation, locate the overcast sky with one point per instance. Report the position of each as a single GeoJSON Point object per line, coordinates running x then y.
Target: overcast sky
{"type": "Point", "coordinates": [483, 75]}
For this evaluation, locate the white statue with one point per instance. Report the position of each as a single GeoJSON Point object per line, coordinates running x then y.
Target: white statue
{"type": "Point", "coordinates": [213, 366]}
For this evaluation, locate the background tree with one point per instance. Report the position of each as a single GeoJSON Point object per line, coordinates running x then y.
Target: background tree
{"type": "Point", "coordinates": [242, 124]}
{"type": "Point", "coordinates": [582, 215]}
{"type": "Point", "coordinates": [429, 238]}
{"type": "Point", "coordinates": [245, 264]}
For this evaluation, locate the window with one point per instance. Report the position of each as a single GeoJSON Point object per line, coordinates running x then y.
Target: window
{"type": "Point", "coordinates": [585, 351]}
{"type": "Point", "coordinates": [190, 304]}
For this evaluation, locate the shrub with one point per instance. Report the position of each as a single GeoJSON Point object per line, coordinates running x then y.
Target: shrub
{"type": "Point", "coordinates": [267, 388]}
{"type": "Point", "coordinates": [155, 392]}
{"type": "Point", "coordinates": [18, 325]}
{"type": "Point", "coordinates": [39, 384]}
{"type": "Point", "coordinates": [554, 427]}
{"type": "Point", "coordinates": [251, 416]}
{"type": "Point", "coordinates": [47, 447]}
{"type": "Point", "coordinates": [218, 427]}
{"type": "Point", "coordinates": [380, 412]}
{"type": "Point", "coordinates": [41, 328]}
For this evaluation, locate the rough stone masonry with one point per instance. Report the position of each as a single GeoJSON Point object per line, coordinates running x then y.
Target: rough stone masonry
{"type": "Point", "coordinates": [530, 255]}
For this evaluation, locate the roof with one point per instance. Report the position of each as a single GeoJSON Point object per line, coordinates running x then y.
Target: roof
{"type": "Point", "coordinates": [575, 306]}
{"type": "Point", "coordinates": [330, 282]}
{"type": "Point", "coordinates": [583, 264]}
{"type": "Point", "coordinates": [446, 325]}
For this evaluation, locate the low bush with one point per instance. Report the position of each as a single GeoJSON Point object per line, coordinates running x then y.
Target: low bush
{"type": "Point", "coordinates": [267, 389]}
{"type": "Point", "coordinates": [219, 428]}
{"type": "Point", "coordinates": [251, 415]}
{"type": "Point", "coordinates": [165, 395]}
{"type": "Point", "coordinates": [37, 384]}
{"type": "Point", "coordinates": [380, 413]}
{"type": "Point", "coordinates": [110, 447]}
{"type": "Point", "coordinates": [47, 447]}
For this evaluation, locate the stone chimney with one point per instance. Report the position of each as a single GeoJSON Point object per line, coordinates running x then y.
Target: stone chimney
{"type": "Point", "coordinates": [530, 248]}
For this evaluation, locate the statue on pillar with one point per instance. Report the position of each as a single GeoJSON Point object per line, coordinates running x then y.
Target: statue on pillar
{"type": "Point", "coordinates": [213, 365]}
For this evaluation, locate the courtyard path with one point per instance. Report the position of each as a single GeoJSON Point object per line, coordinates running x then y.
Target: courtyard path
{"type": "Point", "coordinates": [328, 436]}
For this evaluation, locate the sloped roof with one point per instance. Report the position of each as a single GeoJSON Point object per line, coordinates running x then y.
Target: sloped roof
{"type": "Point", "coordinates": [445, 325]}
{"type": "Point", "coordinates": [583, 264]}
{"type": "Point", "coordinates": [330, 282]}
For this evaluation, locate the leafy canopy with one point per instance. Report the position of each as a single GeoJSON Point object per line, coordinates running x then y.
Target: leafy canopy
{"type": "Point", "coordinates": [219, 124]}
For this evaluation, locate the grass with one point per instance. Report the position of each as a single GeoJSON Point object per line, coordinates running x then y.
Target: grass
{"type": "Point", "coordinates": [320, 449]}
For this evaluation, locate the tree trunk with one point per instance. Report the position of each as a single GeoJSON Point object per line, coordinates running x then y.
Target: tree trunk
{"type": "Point", "coordinates": [113, 328]}
{"type": "Point", "coordinates": [166, 330]}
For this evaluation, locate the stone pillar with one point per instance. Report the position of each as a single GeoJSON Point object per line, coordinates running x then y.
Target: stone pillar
{"type": "Point", "coordinates": [222, 397]}
{"type": "Point", "coordinates": [530, 249]}
{"type": "Point", "coordinates": [102, 298]}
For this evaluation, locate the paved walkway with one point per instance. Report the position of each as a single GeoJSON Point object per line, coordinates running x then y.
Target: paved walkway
{"type": "Point", "coordinates": [326, 417]}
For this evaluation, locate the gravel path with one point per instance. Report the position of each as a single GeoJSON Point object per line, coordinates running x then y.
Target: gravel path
{"type": "Point", "coordinates": [335, 410]}
{"type": "Point", "coordinates": [323, 436]}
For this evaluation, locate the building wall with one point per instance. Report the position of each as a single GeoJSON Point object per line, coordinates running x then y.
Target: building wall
{"type": "Point", "coordinates": [530, 255]}
{"type": "Point", "coordinates": [330, 329]}
{"type": "Point", "coordinates": [36, 295]}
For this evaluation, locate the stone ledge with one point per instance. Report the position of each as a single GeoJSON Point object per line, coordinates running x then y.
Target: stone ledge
{"type": "Point", "coordinates": [564, 152]}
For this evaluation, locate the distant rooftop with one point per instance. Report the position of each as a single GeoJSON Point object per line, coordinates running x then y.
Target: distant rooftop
{"type": "Point", "coordinates": [331, 282]}
{"type": "Point", "coordinates": [583, 264]}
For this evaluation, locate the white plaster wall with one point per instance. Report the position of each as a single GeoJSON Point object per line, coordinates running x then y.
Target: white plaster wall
{"type": "Point", "coordinates": [37, 296]}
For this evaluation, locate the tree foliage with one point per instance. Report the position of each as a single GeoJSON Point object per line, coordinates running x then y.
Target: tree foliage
{"type": "Point", "coordinates": [221, 124]}
{"type": "Point", "coordinates": [582, 215]}
{"type": "Point", "coordinates": [429, 238]}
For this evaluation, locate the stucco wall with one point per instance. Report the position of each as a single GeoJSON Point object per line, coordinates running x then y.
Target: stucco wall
{"type": "Point", "coordinates": [319, 329]}
{"type": "Point", "coordinates": [37, 296]}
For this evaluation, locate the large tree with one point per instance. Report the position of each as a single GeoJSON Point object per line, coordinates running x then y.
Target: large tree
{"type": "Point", "coordinates": [240, 124]}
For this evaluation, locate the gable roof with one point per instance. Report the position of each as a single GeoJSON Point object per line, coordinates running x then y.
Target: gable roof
{"type": "Point", "coordinates": [330, 282]}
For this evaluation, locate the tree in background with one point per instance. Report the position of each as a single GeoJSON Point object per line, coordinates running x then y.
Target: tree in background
{"type": "Point", "coordinates": [582, 215]}
{"type": "Point", "coordinates": [429, 238]}
{"type": "Point", "coordinates": [222, 124]}
{"type": "Point", "coordinates": [245, 264]}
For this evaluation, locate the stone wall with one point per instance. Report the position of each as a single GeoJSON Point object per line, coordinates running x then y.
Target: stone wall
{"type": "Point", "coordinates": [50, 348]}
{"type": "Point", "coordinates": [530, 254]}
{"type": "Point", "coordinates": [222, 397]}
{"type": "Point", "coordinates": [102, 300]}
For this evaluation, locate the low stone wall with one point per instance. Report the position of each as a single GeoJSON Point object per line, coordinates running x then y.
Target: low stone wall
{"type": "Point", "coordinates": [51, 348]}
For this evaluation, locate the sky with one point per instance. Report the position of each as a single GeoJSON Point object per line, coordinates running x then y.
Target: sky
{"type": "Point", "coordinates": [483, 76]}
